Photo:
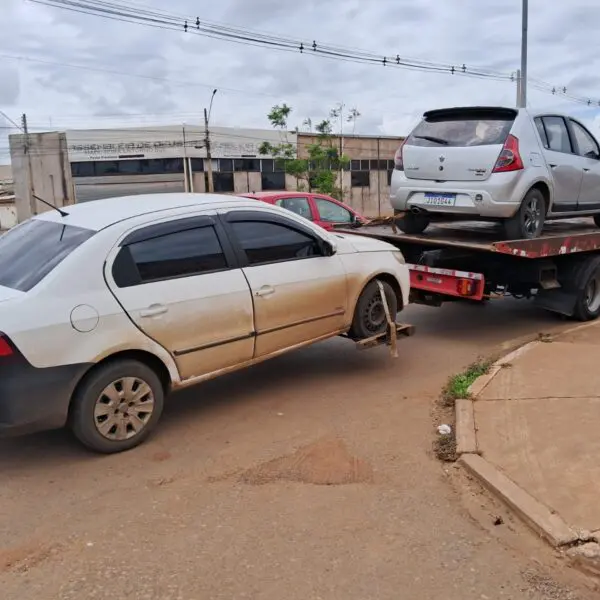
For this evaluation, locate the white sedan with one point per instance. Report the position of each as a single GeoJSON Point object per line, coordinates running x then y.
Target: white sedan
{"type": "Point", "coordinates": [106, 309]}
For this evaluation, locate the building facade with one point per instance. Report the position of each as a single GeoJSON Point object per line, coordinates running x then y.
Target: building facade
{"type": "Point", "coordinates": [118, 162]}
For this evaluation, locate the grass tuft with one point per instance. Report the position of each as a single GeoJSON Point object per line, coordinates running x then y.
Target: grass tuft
{"type": "Point", "coordinates": [458, 385]}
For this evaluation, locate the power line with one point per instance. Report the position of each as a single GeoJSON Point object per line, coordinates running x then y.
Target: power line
{"type": "Point", "coordinates": [132, 12]}
{"type": "Point", "coordinates": [163, 20]}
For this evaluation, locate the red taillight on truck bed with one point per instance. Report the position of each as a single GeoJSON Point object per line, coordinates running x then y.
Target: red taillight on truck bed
{"type": "Point", "coordinates": [509, 159]}
{"type": "Point", "coordinates": [5, 347]}
{"type": "Point", "coordinates": [465, 287]}
{"type": "Point", "coordinates": [398, 160]}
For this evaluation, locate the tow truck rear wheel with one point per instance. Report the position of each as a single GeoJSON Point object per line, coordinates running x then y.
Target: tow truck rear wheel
{"type": "Point", "coordinates": [586, 284]}
{"type": "Point", "coordinates": [413, 223]}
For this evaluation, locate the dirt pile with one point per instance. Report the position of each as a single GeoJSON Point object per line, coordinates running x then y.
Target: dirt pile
{"type": "Point", "coordinates": [325, 462]}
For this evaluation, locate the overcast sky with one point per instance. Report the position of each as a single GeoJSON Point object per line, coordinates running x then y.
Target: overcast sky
{"type": "Point", "coordinates": [563, 40]}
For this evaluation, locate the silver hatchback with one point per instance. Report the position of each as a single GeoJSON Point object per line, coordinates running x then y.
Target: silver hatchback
{"type": "Point", "coordinates": [492, 163]}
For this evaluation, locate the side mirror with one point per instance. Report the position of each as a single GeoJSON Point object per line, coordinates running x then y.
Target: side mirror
{"type": "Point", "coordinates": [593, 155]}
{"type": "Point", "coordinates": [330, 247]}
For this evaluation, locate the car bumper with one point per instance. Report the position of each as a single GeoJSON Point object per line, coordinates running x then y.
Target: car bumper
{"type": "Point", "coordinates": [499, 198]}
{"type": "Point", "coordinates": [33, 399]}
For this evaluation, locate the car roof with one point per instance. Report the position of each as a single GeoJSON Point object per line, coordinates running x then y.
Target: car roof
{"type": "Point", "coordinates": [99, 214]}
{"type": "Point", "coordinates": [279, 194]}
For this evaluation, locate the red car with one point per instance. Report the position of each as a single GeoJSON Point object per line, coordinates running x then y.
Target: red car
{"type": "Point", "coordinates": [319, 208]}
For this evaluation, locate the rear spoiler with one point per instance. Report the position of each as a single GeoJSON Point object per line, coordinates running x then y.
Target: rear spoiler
{"type": "Point", "coordinates": [472, 112]}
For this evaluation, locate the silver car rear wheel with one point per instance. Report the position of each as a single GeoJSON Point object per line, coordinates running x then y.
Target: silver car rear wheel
{"type": "Point", "coordinates": [528, 222]}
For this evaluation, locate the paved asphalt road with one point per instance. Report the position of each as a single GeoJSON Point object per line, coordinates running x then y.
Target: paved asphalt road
{"type": "Point", "coordinates": [204, 510]}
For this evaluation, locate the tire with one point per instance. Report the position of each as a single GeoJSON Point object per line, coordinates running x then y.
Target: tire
{"type": "Point", "coordinates": [586, 285]}
{"type": "Point", "coordinates": [412, 223]}
{"type": "Point", "coordinates": [104, 398]}
{"type": "Point", "coordinates": [528, 222]}
{"type": "Point", "coordinates": [369, 315]}
{"type": "Point", "coordinates": [597, 220]}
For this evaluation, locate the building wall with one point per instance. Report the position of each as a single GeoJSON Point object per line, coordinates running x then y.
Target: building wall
{"type": "Point", "coordinates": [40, 166]}
{"type": "Point", "coordinates": [366, 154]}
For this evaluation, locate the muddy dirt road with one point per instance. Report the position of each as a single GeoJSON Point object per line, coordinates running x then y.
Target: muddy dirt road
{"type": "Point", "coordinates": [228, 498]}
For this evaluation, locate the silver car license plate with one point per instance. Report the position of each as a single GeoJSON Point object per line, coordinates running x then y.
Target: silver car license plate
{"type": "Point", "coordinates": [440, 199]}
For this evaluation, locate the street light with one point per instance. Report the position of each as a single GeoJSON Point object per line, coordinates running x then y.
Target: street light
{"type": "Point", "coordinates": [211, 183]}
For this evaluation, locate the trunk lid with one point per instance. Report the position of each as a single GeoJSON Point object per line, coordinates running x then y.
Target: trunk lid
{"type": "Point", "coordinates": [459, 144]}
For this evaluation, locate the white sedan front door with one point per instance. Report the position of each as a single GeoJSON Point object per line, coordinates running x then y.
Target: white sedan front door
{"type": "Point", "coordinates": [299, 288]}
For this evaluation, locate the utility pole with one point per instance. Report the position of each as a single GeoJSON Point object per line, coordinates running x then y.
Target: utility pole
{"type": "Point", "coordinates": [211, 183]}
{"type": "Point", "coordinates": [518, 88]}
{"type": "Point", "coordinates": [27, 152]}
{"type": "Point", "coordinates": [523, 78]}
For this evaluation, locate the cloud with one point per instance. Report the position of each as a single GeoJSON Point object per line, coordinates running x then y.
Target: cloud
{"type": "Point", "coordinates": [250, 80]}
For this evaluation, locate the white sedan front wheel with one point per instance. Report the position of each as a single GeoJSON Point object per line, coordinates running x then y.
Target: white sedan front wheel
{"type": "Point", "coordinates": [369, 314]}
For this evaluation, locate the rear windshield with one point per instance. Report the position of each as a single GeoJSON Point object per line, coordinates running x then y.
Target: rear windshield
{"type": "Point", "coordinates": [461, 130]}
{"type": "Point", "coordinates": [30, 251]}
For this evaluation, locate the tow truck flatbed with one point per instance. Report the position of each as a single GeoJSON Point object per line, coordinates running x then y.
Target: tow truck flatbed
{"type": "Point", "coordinates": [560, 237]}
{"type": "Point", "coordinates": [469, 261]}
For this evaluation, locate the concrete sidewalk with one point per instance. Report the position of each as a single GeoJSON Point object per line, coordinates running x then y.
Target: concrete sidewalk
{"type": "Point", "coordinates": [531, 433]}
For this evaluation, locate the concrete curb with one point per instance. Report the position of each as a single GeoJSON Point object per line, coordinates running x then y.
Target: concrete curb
{"type": "Point", "coordinates": [466, 434]}
{"type": "Point", "coordinates": [539, 517]}
{"type": "Point", "coordinates": [546, 523]}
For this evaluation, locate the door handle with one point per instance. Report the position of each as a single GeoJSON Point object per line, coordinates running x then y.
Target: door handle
{"type": "Point", "coordinates": [153, 311]}
{"type": "Point", "coordinates": [265, 290]}
{"type": "Point", "coordinates": [551, 166]}
{"type": "Point", "coordinates": [585, 169]}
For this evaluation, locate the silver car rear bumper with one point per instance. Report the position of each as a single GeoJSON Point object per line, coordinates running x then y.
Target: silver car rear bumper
{"type": "Point", "coordinates": [498, 197]}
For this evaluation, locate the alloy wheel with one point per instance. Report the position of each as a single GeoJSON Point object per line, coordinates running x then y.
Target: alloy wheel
{"type": "Point", "coordinates": [532, 217]}
{"type": "Point", "coordinates": [123, 408]}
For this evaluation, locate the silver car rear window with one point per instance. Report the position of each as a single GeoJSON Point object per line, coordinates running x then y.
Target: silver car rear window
{"type": "Point", "coordinates": [32, 250]}
{"type": "Point", "coordinates": [461, 129]}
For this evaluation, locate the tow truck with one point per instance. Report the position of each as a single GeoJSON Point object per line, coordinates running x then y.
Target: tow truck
{"type": "Point", "coordinates": [468, 261]}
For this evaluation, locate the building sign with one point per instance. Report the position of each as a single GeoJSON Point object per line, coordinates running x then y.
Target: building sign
{"type": "Point", "coordinates": [168, 142]}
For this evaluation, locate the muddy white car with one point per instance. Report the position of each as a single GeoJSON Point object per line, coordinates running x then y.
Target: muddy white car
{"type": "Point", "coordinates": [106, 309]}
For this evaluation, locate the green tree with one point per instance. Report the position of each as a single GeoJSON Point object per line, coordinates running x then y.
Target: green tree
{"type": "Point", "coordinates": [319, 171]}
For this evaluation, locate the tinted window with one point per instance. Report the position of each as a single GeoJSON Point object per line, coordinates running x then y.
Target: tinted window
{"type": "Point", "coordinates": [300, 206]}
{"type": "Point", "coordinates": [269, 242]}
{"type": "Point", "coordinates": [223, 182]}
{"type": "Point", "coordinates": [107, 167]}
{"type": "Point", "coordinates": [189, 252]}
{"type": "Point", "coordinates": [359, 179]}
{"type": "Point", "coordinates": [558, 136]}
{"type": "Point", "coordinates": [586, 145]}
{"type": "Point", "coordinates": [225, 164]}
{"type": "Point", "coordinates": [82, 169]}
{"type": "Point", "coordinates": [540, 127]}
{"type": "Point", "coordinates": [197, 164]}
{"type": "Point", "coordinates": [273, 181]}
{"type": "Point", "coordinates": [130, 167]}
{"type": "Point", "coordinates": [461, 130]}
{"type": "Point", "coordinates": [332, 212]}
{"type": "Point", "coordinates": [29, 252]}
{"type": "Point", "coordinates": [267, 165]}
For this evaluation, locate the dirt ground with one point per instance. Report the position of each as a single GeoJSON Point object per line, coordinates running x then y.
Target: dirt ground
{"type": "Point", "coordinates": [308, 477]}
